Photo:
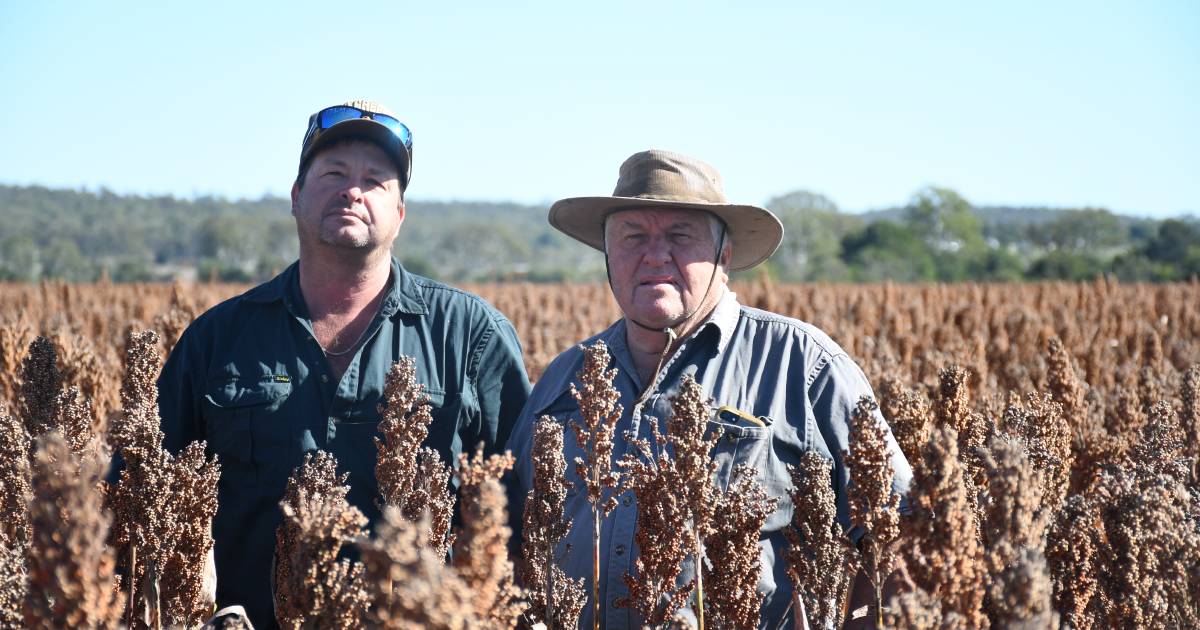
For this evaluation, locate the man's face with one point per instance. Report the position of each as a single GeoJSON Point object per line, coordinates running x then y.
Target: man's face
{"type": "Point", "coordinates": [351, 198]}
{"type": "Point", "coordinates": [661, 263]}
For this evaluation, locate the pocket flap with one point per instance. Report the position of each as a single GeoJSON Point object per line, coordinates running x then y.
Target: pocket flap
{"type": "Point", "coordinates": [434, 397]}
{"type": "Point", "coordinates": [238, 392]}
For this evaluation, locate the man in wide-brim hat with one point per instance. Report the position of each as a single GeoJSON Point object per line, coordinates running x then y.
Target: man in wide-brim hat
{"type": "Point", "coordinates": [777, 387]}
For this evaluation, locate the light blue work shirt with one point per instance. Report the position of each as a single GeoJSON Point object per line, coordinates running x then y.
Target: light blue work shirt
{"type": "Point", "coordinates": [797, 381]}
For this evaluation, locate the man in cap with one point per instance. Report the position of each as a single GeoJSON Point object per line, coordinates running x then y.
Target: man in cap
{"type": "Point", "coordinates": [778, 386]}
{"type": "Point", "coordinates": [298, 364]}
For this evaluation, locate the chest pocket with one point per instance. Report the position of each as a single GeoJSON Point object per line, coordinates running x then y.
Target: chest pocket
{"type": "Point", "coordinates": [357, 431]}
{"type": "Point", "coordinates": [240, 418]}
{"type": "Point", "coordinates": [745, 441]}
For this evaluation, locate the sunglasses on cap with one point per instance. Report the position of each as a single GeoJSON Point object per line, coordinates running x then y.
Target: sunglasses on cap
{"type": "Point", "coordinates": [331, 116]}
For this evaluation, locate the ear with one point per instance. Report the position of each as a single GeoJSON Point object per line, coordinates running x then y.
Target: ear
{"type": "Point", "coordinates": [295, 196]}
{"type": "Point", "coordinates": [400, 212]}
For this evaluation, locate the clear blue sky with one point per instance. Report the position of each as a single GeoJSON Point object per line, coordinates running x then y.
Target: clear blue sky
{"type": "Point", "coordinates": [1032, 103]}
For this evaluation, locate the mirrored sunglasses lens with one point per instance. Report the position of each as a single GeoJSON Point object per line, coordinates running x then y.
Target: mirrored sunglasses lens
{"type": "Point", "coordinates": [335, 115]}
{"type": "Point", "coordinates": [397, 128]}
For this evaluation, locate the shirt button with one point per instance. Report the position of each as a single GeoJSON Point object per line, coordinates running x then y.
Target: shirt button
{"type": "Point", "coordinates": [324, 378]}
{"type": "Point", "coordinates": [614, 602]}
{"type": "Point", "coordinates": [620, 550]}
{"type": "Point", "coordinates": [627, 501]}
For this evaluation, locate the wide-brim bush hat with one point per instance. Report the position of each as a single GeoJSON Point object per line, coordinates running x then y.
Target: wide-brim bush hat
{"type": "Point", "coordinates": [662, 179]}
{"type": "Point", "coordinates": [360, 119]}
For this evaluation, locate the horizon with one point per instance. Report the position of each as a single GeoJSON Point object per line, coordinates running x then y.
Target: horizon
{"type": "Point", "coordinates": [266, 197]}
{"type": "Point", "coordinates": [1030, 106]}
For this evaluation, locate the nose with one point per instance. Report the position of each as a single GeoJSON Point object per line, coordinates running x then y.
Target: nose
{"type": "Point", "coordinates": [658, 252]}
{"type": "Point", "coordinates": [352, 193]}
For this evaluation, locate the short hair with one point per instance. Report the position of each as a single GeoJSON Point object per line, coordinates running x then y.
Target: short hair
{"type": "Point", "coordinates": [341, 142]}
{"type": "Point", "coordinates": [716, 225]}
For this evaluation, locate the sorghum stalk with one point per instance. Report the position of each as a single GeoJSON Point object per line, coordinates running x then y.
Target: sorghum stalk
{"type": "Point", "coordinates": [481, 548]}
{"type": "Point", "coordinates": [163, 504]}
{"type": "Point", "coordinates": [71, 570]}
{"type": "Point", "coordinates": [599, 413]}
{"type": "Point", "coordinates": [941, 547]}
{"type": "Point", "coordinates": [411, 477]}
{"type": "Point", "coordinates": [313, 587]}
{"type": "Point", "coordinates": [409, 583]}
{"type": "Point", "coordinates": [661, 531]}
{"type": "Point", "coordinates": [554, 598]}
{"type": "Point", "coordinates": [733, 552]}
{"type": "Point", "coordinates": [41, 385]}
{"type": "Point", "coordinates": [815, 555]}
{"type": "Point", "coordinates": [873, 505]}
{"type": "Point", "coordinates": [686, 437]}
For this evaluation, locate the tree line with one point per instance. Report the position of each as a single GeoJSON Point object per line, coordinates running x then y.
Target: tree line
{"type": "Point", "coordinates": [80, 235]}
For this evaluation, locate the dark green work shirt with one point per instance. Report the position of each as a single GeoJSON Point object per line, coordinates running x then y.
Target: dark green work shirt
{"type": "Point", "coordinates": [249, 378]}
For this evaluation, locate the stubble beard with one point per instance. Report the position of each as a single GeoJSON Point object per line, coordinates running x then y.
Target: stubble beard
{"type": "Point", "coordinates": [668, 310]}
{"type": "Point", "coordinates": [353, 241]}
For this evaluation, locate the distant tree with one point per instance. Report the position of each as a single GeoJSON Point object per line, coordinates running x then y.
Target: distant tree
{"type": "Point", "coordinates": [63, 261]}
{"type": "Point", "coordinates": [1066, 265]}
{"type": "Point", "coordinates": [1142, 230]}
{"type": "Point", "coordinates": [279, 240]}
{"type": "Point", "coordinates": [418, 265]}
{"type": "Point", "coordinates": [1135, 267]}
{"type": "Point", "coordinates": [227, 240]}
{"type": "Point", "coordinates": [19, 259]}
{"type": "Point", "coordinates": [1090, 229]}
{"type": "Point", "coordinates": [944, 220]}
{"type": "Point", "coordinates": [132, 271]}
{"type": "Point", "coordinates": [937, 235]}
{"type": "Point", "coordinates": [997, 264]}
{"type": "Point", "coordinates": [478, 251]}
{"type": "Point", "coordinates": [1171, 254]}
{"type": "Point", "coordinates": [888, 251]}
{"type": "Point", "coordinates": [268, 266]}
{"type": "Point", "coordinates": [954, 234]}
{"type": "Point", "coordinates": [813, 231]}
{"type": "Point", "coordinates": [1004, 234]}
{"type": "Point", "coordinates": [1175, 242]}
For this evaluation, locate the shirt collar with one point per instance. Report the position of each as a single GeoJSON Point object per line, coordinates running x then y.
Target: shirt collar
{"type": "Point", "coordinates": [725, 318]}
{"type": "Point", "coordinates": [404, 292]}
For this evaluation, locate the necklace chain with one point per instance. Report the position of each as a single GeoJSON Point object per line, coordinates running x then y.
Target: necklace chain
{"type": "Point", "coordinates": [361, 335]}
{"type": "Point", "coordinates": [353, 346]}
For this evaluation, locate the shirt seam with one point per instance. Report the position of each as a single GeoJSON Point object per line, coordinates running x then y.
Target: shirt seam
{"type": "Point", "coordinates": [794, 324]}
{"type": "Point", "coordinates": [494, 316]}
{"type": "Point", "coordinates": [477, 355]}
{"type": "Point", "coordinates": [822, 361]}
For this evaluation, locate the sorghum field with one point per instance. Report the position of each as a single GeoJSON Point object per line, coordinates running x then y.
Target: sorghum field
{"type": "Point", "coordinates": [1053, 431]}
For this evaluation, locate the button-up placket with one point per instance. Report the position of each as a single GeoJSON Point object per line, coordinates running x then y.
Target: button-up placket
{"type": "Point", "coordinates": [653, 407]}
